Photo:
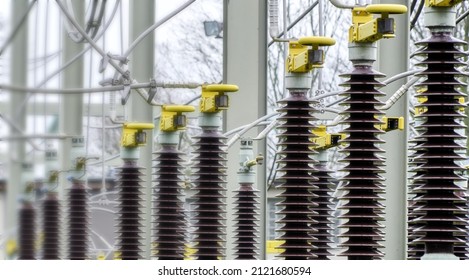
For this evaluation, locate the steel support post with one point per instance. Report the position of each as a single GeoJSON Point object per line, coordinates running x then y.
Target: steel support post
{"type": "Point", "coordinates": [71, 106]}
{"type": "Point", "coordinates": [393, 58]}
{"type": "Point", "coordinates": [245, 66]}
{"type": "Point", "coordinates": [142, 16]}
{"type": "Point", "coordinates": [19, 76]}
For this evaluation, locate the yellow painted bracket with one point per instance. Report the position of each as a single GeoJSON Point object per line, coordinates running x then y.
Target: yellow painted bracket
{"type": "Point", "coordinates": [324, 140]}
{"type": "Point", "coordinates": [133, 134]}
{"type": "Point", "coordinates": [213, 98]}
{"type": "Point", "coordinates": [272, 246]}
{"type": "Point", "coordinates": [442, 3]}
{"type": "Point", "coordinates": [172, 117]}
{"type": "Point", "coordinates": [391, 123]}
{"type": "Point", "coordinates": [304, 55]}
{"type": "Point", "coordinates": [366, 28]}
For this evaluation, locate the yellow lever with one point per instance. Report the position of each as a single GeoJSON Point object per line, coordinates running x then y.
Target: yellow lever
{"type": "Point", "coordinates": [172, 118]}
{"type": "Point", "coordinates": [133, 134]}
{"type": "Point", "coordinates": [365, 28]}
{"type": "Point", "coordinates": [213, 98]}
{"type": "Point", "coordinates": [304, 54]}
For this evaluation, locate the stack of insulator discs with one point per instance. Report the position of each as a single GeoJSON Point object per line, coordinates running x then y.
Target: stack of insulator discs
{"type": "Point", "coordinates": [246, 227]}
{"type": "Point", "coordinates": [297, 182]}
{"type": "Point", "coordinates": [362, 211]}
{"type": "Point", "coordinates": [209, 184]}
{"type": "Point", "coordinates": [78, 221]}
{"type": "Point", "coordinates": [130, 199]}
{"type": "Point", "coordinates": [440, 203]}
{"type": "Point", "coordinates": [414, 251]}
{"type": "Point", "coordinates": [27, 232]}
{"type": "Point", "coordinates": [169, 221]}
{"type": "Point", "coordinates": [51, 227]}
{"type": "Point", "coordinates": [324, 200]}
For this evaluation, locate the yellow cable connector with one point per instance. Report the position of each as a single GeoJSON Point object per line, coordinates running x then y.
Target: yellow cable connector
{"type": "Point", "coordinates": [172, 118]}
{"type": "Point", "coordinates": [304, 54]}
{"type": "Point", "coordinates": [325, 140]}
{"type": "Point", "coordinates": [442, 3]}
{"type": "Point", "coordinates": [391, 123]}
{"type": "Point", "coordinates": [272, 246]}
{"type": "Point", "coordinates": [366, 28]}
{"type": "Point", "coordinates": [213, 98]}
{"type": "Point", "coordinates": [133, 134]}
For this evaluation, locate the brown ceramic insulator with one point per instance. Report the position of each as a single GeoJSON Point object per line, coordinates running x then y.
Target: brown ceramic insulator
{"type": "Point", "coordinates": [210, 207]}
{"type": "Point", "coordinates": [51, 227]}
{"type": "Point", "coordinates": [169, 218]}
{"type": "Point", "coordinates": [295, 166]}
{"type": "Point", "coordinates": [78, 222]}
{"type": "Point", "coordinates": [27, 231]}
{"type": "Point", "coordinates": [324, 209]}
{"type": "Point", "coordinates": [362, 211]}
{"type": "Point", "coordinates": [129, 226]}
{"type": "Point", "coordinates": [414, 251]}
{"type": "Point", "coordinates": [246, 227]}
{"type": "Point", "coordinates": [440, 205]}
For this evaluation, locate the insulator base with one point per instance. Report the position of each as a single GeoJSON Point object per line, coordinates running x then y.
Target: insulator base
{"type": "Point", "coordinates": [130, 199]}
{"type": "Point", "coordinates": [296, 182]}
{"type": "Point", "coordinates": [209, 184]}
{"type": "Point", "coordinates": [27, 232]}
{"type": "Point", "coordinates": [362, 212]}
{"type": "Point", "coordinates": [169, 219]}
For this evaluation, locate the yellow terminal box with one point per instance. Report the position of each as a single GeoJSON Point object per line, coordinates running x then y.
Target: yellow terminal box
{"type": "Point", "coordinates": [133, 134]}
{"type": "Point", "coordinates": [366, 28]}
{"type": "Point", "coordinates": [213, 98]}
{"type": "Point", "coordinates": [172, 117]}
{"type": "Point", "coordinates": [304, 55]}
{"type": "Point", "coordinates": [324, 140]}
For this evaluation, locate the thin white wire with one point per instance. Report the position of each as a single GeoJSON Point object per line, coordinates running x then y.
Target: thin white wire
{"type": "Point", "coordinates": [102, 239]}
{"type": "Point", "coordinates": [341, 5]}
{"type": "Point", "coordinates": [102, 194]}
{"type": "Point", "coordinates": [151, 29]}
{"type": "Point", "coordinates": [88, 117]}
{"type": "Point", "coordinates": [42, 83]}
{"type": "Point", "coordinates": [35, 74]}
{"type": "Point", "coordinates": [103, 130]}
{"type": "Point", "coordinates": [246, 128]}
{"type": "Point", "coordinates": [46, 24]}
{"type": "Point", "coordinates": [266, 130]}
{"type": "Point", "coordinates": [88, 39]}
{"type": "Point", "coordinates": [105, 160]}
{"type": "Point", "coordinates": [103, 209]}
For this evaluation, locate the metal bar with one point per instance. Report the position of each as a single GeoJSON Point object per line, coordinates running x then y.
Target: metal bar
{"type": "Point", "coordinates": [19, 76]}
{"type": "Point", "coordinates": [293, 23]}
{"type": "Point", "coordinates": [71, 106]}
{"type": "Point", "coordinates": [396, 142]}
{"type": "Point", "coordinates": [245, 20]}
{"type": "Point", "coordinates": [142, 15]}
{"type": "Point", "coordinates": [17, 27]}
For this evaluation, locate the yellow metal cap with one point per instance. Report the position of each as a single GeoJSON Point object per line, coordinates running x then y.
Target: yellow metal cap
{"type": "Point", "coordinates": [386, 9]}
{"type": "Point", "coordinates": [178, 108]}
{"type": "Point", "coordinates": [135, 125]}
{"type": "Point", "coordinates": [316, 41]}
{"type": "Point", "coordinates": [220, 87]}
